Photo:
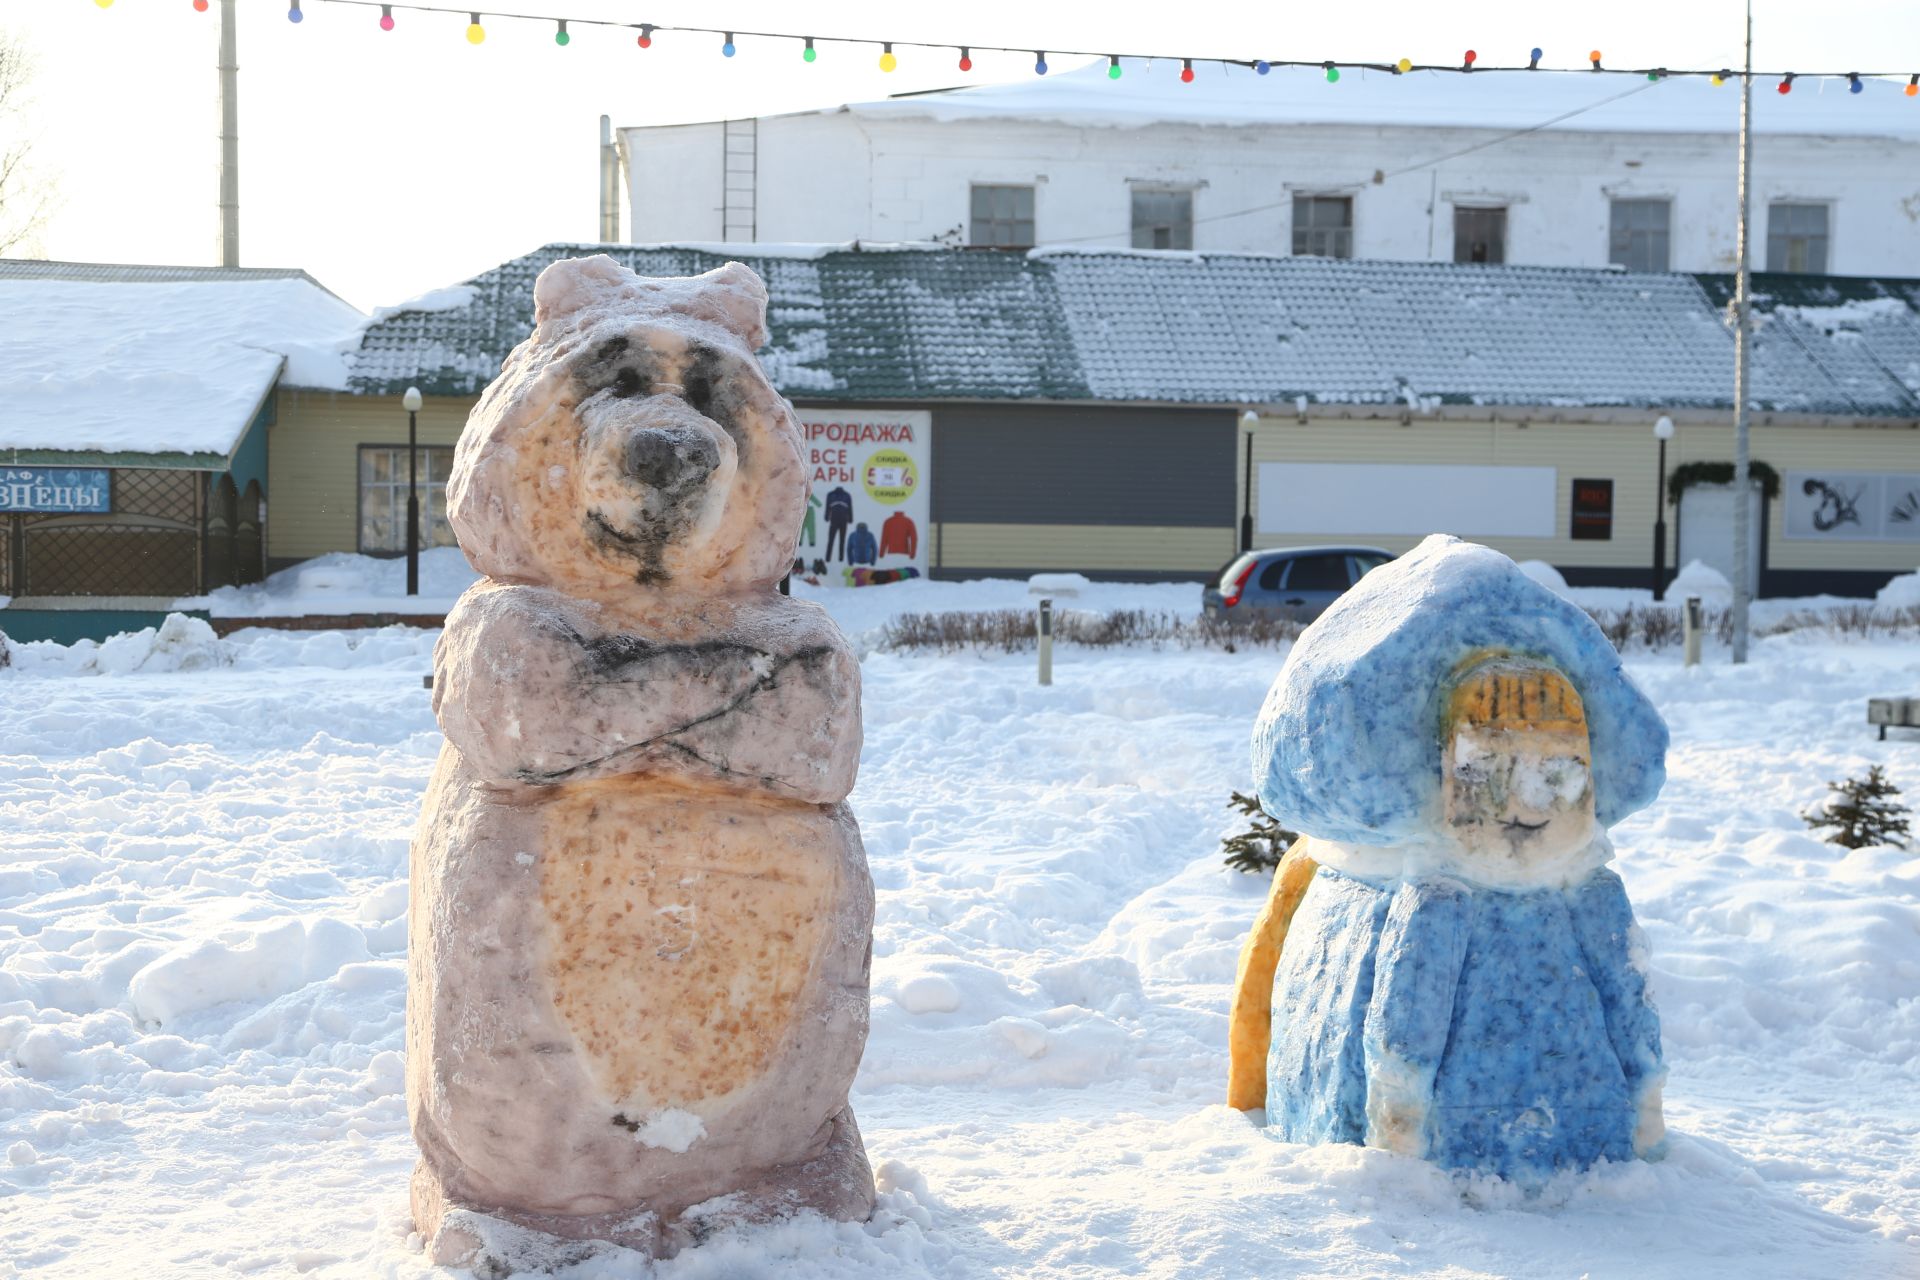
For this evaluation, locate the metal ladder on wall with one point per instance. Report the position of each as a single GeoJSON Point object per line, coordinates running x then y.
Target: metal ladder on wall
{"type": "Point", "coordinates": [740, 177]}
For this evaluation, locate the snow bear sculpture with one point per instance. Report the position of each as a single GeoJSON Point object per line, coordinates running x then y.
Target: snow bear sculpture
{"type": "Point", "coordinates": [1446, 967]}
{"type": "Point", "coordinates": [641, 919]}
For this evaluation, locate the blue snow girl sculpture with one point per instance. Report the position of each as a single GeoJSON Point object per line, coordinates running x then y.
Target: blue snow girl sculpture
{"type": "Point", "coordinates": [1446, 967]}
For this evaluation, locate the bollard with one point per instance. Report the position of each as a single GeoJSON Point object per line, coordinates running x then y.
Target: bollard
{"type": "Point", "coordinates": [1692, 623]}
{"type": "Point", "coordinates": [1046, 642]}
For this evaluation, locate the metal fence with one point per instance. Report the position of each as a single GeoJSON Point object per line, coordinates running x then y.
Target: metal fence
{"type": "Point", "coordinates": [150, 544]}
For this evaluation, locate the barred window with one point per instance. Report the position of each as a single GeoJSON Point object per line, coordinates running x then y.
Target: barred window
{"type": "Point", "coordinates": [1479, 235]}
{"type": "Point", "coordinates": [1323, 226]}
{"type": "Point", "coordinates": [1162, 218]}
{"type": "Point", "coordinates": [1640, 235]}
{"type": "Point", "coordinates": [383, 497]}
{"type": "Point", "coordinates": [1002, 217]}
{"type": "Point", "coordinates": [1797, 238]}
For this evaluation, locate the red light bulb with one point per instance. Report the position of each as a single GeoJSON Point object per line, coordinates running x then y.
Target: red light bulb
{"type": "Point", "coordinates": [966, 60]}
{"type": "Point", "coordinates": [199, 6]}
{"type": "Point", "coordinates": [1186, 71]}
{"type": "Point", "coordinates": [1472, 57]}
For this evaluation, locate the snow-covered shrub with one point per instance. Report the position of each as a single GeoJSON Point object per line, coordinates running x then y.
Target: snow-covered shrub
{"type": "Point", "coordinates": [1862, 813]}
{"type": "Point", "coordinates": [1546, 575]}
{"type": "Point", "coordinates": [1903, 592]}
{"type": "Point", "coordinates": [1701, 579]}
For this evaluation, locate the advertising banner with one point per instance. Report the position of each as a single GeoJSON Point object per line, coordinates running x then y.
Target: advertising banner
{"type": "Point", "coordinates": [1351, 499]}
{"type": "Point", "coordinates": [866, 518]}
{"type": "Point", "coordinates": [64, 490]}
{"type": "Point", "coordinates": [1852, 506]}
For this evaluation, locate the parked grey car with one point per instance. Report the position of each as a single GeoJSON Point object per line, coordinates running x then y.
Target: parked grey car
{"type": "Point", "coordinates": [1297, 582]}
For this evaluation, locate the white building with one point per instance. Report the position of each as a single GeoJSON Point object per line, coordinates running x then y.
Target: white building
{"type": "Point", "coordinates": [1539, 168]}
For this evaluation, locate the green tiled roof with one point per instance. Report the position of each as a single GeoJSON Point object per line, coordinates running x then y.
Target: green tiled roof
{"type": "Point", "coordinates": [860, 324]}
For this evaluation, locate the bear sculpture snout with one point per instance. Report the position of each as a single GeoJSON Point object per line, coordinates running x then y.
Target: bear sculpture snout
{"type": "Point", "coordinates": [672, 458]}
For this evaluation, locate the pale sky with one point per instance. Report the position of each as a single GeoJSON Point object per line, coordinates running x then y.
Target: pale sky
{"type": "Point", "coordinates": [390, 163]}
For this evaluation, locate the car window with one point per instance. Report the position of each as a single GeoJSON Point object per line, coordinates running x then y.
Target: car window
{"type": "Point", "coordinates": [1364, 563]}
{"type": "Point", "coordinates": [1318, 573]}
{"type": "Point", "coordinates": [1270, 576]}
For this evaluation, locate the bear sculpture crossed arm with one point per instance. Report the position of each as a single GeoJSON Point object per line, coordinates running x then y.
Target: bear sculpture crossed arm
{"type": "Point", "coordinates": [533, 689]}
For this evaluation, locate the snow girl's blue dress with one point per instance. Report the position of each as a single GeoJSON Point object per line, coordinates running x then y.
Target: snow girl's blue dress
{"type": "Point", "coordinates": [1517, 1019]}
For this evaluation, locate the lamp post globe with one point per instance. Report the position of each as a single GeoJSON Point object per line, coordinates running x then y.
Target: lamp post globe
{"type": "Point", "coordinates": [411, 403]}
{"type": "Point", "coordinates": [1663, 432]}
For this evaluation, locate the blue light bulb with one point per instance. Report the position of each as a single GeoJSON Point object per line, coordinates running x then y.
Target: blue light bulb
{"type": "Point", "coordinates": [1262, 67]}
{"type": "Point", "coordinates": [726, 50]}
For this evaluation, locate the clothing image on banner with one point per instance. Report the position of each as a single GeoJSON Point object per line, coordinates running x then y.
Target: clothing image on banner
{"type": "Point", "coordinates": [861, 548]}
{"type": "Point", "coordinates": [898, 537]}
{"type": "Point", "coordinates": [807, 535]}
{"type": "Point", "coordinates": [839, 513]}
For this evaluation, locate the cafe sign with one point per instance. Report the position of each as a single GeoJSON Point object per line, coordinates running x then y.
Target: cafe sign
{"type": "Point", "coordinates": [64, 490]}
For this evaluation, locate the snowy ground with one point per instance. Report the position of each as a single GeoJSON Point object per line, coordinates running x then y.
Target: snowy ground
{"type": "Point", "coordinates": [202, 903]}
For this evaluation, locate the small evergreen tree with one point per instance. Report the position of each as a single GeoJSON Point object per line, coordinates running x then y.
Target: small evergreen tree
{"type": "Point", "coordinates": [1261, 846]}
{"type": "Point", "coordinates": [1862, 813]}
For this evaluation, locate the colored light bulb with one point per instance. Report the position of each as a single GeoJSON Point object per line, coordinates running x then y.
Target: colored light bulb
{"type": "Point", "coordinates": [1913, 87]}
{"type": "Point", "coordinates": [1262, 67]}
{"type": "Point", "coordinates": [1113, 67]}
{"type": "Point", "coordinates": [386, 17]}
{"type": "Point", "coordinates": [560, 36]}
{"type": "Point", "coordinates": [966, 58]}
{"type": "Point", "coordinates": [1653, 75]}
{"type": "Point", "coordinates": [726, 46]}
{"type": "Point", "coordinates": [1039, 63]}
{"type": "Point", "coordinates": [1186, 71]}
{"type": "Point", "coordinates": [293, 11]}
{"type": "Point", "coordinates": [1333, 74]}
{"type": "Point", "coordinates": [1534, 55]}
{"type": "Point", "coordinates": [1854, 85]}
{"type": "Point", "coordinates": [1786, 85]}
{"type": "Point", "coordinates": [104, 4]}
{"type": "Point", "coordinates": [1718, 78]}
{"type": "Point", "coordinates": [1594, 58]}
{"type": "Point", "coordinates": [199, 6]}
{"type": "Point", "coordinates": [807, 54]}
{"type": "Point", "coordinates": [1404, 65]}
{"type": "Point", "coordinates": [646, 38]}
{"type": "Point", "coordinates": [1472, 57]}
{"type": "Point", "coordinates": [475, 32]}
{"type": "Point", "coordinates": [887, 61]}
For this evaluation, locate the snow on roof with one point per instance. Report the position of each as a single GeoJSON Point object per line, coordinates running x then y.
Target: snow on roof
{"type": "Point", "coordinates": [176, 362]}
{"type": "Point", "coordinates": [1151, 93]}
{"type": "Point", "coordinates": [1206, 328]}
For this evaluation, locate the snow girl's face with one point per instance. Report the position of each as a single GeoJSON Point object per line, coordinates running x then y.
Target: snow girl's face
{"type": "Point", "coordinates": [1518, 796]}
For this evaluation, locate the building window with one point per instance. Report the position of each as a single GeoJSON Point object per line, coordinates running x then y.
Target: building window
{"type": "Point", "coordinates": [1797, 238]}
{"type": "Point", "coordinates": [1323, 226]}
{"type": "Point", "coordinates": [383, 497]}
{"type": "Point", "coordinates": [1592, 511]}
{"type": "Point", "coordinates": [1640, 233]}
{"type": "Point", "coordinates": [1162, 219]}
{"type": "Point", "coordinates": [1479, 235]}
{"type": "Point", "coordinates": [1003, 217]}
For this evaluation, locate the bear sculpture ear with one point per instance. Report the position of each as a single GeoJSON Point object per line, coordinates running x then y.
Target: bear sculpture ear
{"type": "Point", "coordinates": [570, 284]}
{"type": "Point", "coordinates": [735, 298]}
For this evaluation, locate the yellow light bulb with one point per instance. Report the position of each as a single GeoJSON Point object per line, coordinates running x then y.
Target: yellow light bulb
{"type": "Point", "coordinates": [888, 62]}
{"type": "Point", "coordinates": [104, 4]}
{"type": "Point", "coordinates": [1406, 64]}
{"type": "Point", "coordinates": [475, 33]}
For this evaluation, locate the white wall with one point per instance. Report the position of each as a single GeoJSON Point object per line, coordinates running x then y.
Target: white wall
{"type": "Point", "coordinates": [844, 176]}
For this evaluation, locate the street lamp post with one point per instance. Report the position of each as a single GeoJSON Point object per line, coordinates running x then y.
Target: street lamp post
{"type": "Point", "coordinates": [1249, 420]}
{"type": "Point", "coordinates": [1663, 432]}
{"type": "Point", "coordinates": [411, 402]}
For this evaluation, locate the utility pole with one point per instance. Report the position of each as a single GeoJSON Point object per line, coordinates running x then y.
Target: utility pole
{"type": "Point", "coordinates": [229, 138]}
{"type": "Point", "coordinates": [1742, 370]}
{"type": "Point", "coordinates": [609, 184]}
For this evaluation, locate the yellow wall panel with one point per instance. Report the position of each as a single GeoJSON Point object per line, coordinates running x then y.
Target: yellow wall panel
{"type": "Point", "coordinates": [1098, 547]}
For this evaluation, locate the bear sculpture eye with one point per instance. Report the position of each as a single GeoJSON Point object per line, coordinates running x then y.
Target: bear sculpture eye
{"type": "Point", "coordinates": [628, 383]}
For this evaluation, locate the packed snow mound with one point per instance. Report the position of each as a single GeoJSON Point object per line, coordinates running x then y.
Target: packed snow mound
{"type": "Point", "coordinates": [1701, 579]}
{"type": "Point", "coordinates": [1545, 574]}
{"type": "Point", "coordinates": [1901, 593]}
{"type": "Point", "coordinates": [180, 643]}
{"type": "Point", "coordinates": [1345, 747]}
{"type": "Point", "coordinates": [342, 582]}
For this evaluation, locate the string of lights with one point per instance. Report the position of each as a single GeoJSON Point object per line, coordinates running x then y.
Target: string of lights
{"type": "Point", "coordinates": [809, 47]}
